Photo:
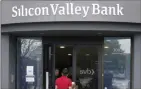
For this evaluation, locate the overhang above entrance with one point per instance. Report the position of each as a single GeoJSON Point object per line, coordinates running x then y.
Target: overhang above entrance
{"type": "Point", "coordinates": [72, 29]}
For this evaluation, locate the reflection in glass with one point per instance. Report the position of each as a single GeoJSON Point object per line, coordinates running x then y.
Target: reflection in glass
{"type": "Point", "coordinates": [117, 59]}
{"type": "Point", "coordinates": [29, 64]}
{"type": "Point", "coordinates": [87, 67]}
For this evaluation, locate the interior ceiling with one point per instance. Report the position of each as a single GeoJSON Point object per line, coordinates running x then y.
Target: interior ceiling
{"type": "Point", "coordinates": [62, 57]}
{"type": "Point", "coordinates": [86, 55]}
{"type": "Point", "coordinates": [73, 33]}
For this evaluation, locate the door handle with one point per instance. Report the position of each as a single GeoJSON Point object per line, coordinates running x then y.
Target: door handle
{"type": "Point", "coordinates": [47, 80]}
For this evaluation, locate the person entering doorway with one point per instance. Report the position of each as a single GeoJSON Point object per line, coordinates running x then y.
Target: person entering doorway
{"type": "Point", "coordinates": [63, 82]}
{"type": "Point", "coordinates": [63, 59]}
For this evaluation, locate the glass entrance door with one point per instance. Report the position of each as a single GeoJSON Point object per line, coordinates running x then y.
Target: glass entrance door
{"type": "Point", "coordinates": [83, 62]}
{"type": "Point", "coordinates": [88, 67]}
{"type": "Point", "coordinates": [56, 58]}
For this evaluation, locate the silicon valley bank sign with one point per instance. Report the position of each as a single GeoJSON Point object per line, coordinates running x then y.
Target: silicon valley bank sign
{"type": "Point", "coordinates": [68, 9]}
{"type": "Point", "coordinates": [52, 11]}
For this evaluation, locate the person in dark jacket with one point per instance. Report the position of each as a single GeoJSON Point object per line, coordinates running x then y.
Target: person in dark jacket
{"type": "Point", "coordinates": [56, 73]}
{"type": "Point", "coordinates": [108, 76]}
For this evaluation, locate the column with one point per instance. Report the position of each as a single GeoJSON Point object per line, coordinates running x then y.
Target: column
{"type": "Point", "coordinates": [5, 61]}
{"type": "Point", "coordinates": [136, 72]}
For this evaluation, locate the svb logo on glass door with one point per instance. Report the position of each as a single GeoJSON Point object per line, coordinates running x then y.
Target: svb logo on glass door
{"type": "Point", "coordinates": [87, 71]}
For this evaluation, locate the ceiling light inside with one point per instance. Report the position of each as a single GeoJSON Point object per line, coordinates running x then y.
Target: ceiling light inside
{"type": "Point", "coordinates": [69, 54]}
{"type": "Point", "coordinates": [62, 47]}
{"type": "Point", "coordinates": [106, 47]}
{"type": "Point", "coordinates": [87, 54]}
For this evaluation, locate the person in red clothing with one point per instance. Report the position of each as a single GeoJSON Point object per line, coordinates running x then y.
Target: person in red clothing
{"type": "Point", "coordinates": [63, 82]}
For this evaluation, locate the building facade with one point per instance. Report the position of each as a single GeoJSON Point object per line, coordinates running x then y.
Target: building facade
{"type": "Point", "coordinates": [98, 41]}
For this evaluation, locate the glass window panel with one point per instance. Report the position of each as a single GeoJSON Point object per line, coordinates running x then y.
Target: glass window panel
{"type": "Point", "coordinates": [29, 63]}
{"type": "Point", "coordinates": [117, 58]}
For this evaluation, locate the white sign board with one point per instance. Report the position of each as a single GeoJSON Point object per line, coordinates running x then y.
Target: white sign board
{"type": "Point", "coordinates": [29, 71]}
{"type": "Point", "coordinates": [30, 79]}
{"type": "Point", "coordinates": [30, 74]}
